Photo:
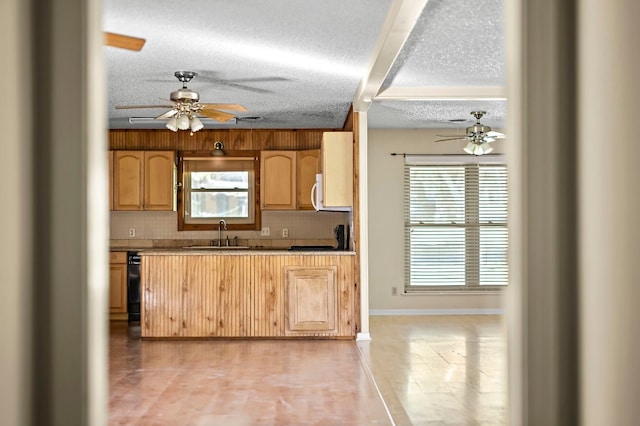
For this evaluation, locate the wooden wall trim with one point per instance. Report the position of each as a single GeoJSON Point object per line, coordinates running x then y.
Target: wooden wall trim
{"type": "Point", "coordinates": [233, 139]}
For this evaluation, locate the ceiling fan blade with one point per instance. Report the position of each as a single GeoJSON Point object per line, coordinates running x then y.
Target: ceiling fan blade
{"type": "Point", "coordinates": [233, 107]}
{"type": "Point", "coordinates": [452, 136]}
{"type": "Point", "coordinates": [167, 114]}
{"type": "Point", "coordinates": [497, 135]}
{"type": "Point", "coordinates": [123, 41]}
{"type": "Point", "coordinates": [217, 115]}
{"type": "Point", "coordinates": [142, 106]}
{"type": "Point", "coordinates": [449, 139]}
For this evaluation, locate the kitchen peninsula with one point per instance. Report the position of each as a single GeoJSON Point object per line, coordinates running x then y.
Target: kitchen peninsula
{"type": "Point", "coordinates": [211, 293]}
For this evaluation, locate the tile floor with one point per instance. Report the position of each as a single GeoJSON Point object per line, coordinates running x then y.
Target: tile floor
{"type": "Point", "coordinates": [429, 371]}
{"type": "Point", "coordinates": [440, 370]}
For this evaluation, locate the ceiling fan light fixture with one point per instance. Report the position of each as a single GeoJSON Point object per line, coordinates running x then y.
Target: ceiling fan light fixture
{"type": "Point", "coordinates": [470, 148]}
{"type": "Point", "coordinates": [183, 122]}
{"type": "Point", "coordinates": [172, 124]}
{"type": "Point", "coordinates": [486, 148]}
{"type": "Point", "coordinates": [196, 124]}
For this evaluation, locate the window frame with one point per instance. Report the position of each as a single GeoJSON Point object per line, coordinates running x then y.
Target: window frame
{"type": "Point", "coordinates": [472, 283]}
{"type": "Point", "coordinates": [183, 193]}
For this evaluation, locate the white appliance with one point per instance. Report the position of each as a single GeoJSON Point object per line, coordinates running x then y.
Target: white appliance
{"type": "Point", "coordinates": [317, 198]}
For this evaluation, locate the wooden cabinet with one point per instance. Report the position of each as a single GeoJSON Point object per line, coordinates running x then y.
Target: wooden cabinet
{"type": "Point", "coordinates": [278, 180]}
{"type": "Point", "coordinates": [308, 165]}
{"type": "Point", "coordinates": [286, 178]}
{"type": "Point", "coordinates": [143, 180]}
{"type": "Point", "coordinates": [337, 169]}
{"type": "Point", "coordinates": [118, 285]}
{"type": "Point", "coordinates": [248, 295]}
{"type": "Point", "coordinates": [159, 175]}
{"type": "Point", "coordinates": [310, 303]}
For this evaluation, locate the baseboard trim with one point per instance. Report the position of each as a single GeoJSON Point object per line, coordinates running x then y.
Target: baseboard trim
{"type": "Point", "coordinates": [379, 312]}
{"type": "Point", "coordinates": [363, 337]}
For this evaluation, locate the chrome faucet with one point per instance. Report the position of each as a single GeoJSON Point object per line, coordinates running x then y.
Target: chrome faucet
{"type": "Point", "coordinates": [222, 225]}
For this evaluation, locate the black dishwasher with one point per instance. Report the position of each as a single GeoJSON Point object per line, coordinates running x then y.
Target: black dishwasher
{"type": "Point", "coordinates": [133, 286]}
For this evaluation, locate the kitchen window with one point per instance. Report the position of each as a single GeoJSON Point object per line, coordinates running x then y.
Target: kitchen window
{"type": "Point", "coordinates": [218, 187]}
{"type": "Point", "coordinates": [456, 234]}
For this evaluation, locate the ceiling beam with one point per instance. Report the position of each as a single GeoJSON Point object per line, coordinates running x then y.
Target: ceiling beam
{"type": "Point", "coordinates": [402, 17]}
{"type": "Point", "coordinates": [432, 93]}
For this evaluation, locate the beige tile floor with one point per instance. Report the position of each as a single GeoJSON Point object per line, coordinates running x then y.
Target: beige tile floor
{"type": "Point", "coordinates": [440, 370]}
{"type": "Point", "coordinates": [429, 370]}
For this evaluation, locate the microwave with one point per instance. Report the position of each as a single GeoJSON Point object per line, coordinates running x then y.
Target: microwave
{"type": "Point", "coordinates": [317, 198]}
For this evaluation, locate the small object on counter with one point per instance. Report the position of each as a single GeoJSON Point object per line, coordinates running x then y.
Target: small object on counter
{"type": "Point", "coordinates": [235, 241]}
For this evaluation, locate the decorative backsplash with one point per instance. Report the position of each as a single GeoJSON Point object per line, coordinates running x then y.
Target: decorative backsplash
{"type": "Point", "coordinates": [302, 225]}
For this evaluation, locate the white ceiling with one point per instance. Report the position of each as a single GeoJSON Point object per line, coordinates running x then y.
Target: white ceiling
{"type": "Point", "coordinates": [301, 64]}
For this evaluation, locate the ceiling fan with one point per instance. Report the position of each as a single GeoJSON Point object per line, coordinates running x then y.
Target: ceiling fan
{"type": "Point", "coordinates": [123, 41]}
{"type": "Point", "coordinates": [478, 136]}
{"type": "Point", "coordinates": [186, 107]}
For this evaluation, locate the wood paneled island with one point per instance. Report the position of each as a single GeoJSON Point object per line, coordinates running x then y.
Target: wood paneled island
{"type": "Point", "coordinates": [247, 294]}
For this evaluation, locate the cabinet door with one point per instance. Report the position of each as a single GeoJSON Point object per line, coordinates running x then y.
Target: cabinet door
{"type": "Point", "coordinates": [278, 180]}
{"type": "Point", "coordinates": [307, 168]}
{"type": "Point", "coordinates": [128, 180]}
{"type": "Point", "coordinates": [158, 180]}
{"type": "Point", "coordinates": [118, 288]}
{"type": "Point", "coordinates": [310, 299]}
{"type": "Point", "coordinates": [337, 169]}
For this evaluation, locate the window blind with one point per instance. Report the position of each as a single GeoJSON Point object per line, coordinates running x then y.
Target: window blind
{"type": "Point", "coordinates": [455, 225]}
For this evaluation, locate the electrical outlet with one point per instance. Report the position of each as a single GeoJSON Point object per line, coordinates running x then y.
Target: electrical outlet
{"type": "Point", "coordinates": [285, 233]}
{"type": "Point", "coordinates": [266, 231]}
{"type": "Point", "coordinates": [394, 291]}
{"type": "Point", "coordinates": [132, 232]}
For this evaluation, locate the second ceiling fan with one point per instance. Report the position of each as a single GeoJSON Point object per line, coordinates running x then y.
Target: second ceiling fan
{"type": "Point", "coordinates": [186, 107]}
{"type": "Point", "coordinates": [477, 136]}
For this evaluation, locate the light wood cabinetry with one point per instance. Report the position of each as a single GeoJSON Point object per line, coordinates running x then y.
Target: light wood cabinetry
{"type": "Point", "coordinates": [308, 165]}
{"type": "Point", "coordinates": [278, 180]}
{"type": "Point", "coordinates": [310, 303]}
{"type": "Point", "coordinates": [248, 295]}
{"type": "Point", "coordinates": [158, 185]}
{"type": "Point", "coordinates": [286, 178]}
{"type": "Point", "coordinates": [143, 180]}
{"type": "Point", "coordinates": [118, 285]}
{"type": "Point", "coordinates": [337, 169]}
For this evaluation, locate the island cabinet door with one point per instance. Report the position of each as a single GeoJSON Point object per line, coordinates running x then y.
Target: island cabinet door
{"type": "Point", "coordinates": [216, 299]}
{"type": "Point", "coordinates": [267, 301]}
{"type": "Point", "coordinates": [311, 300]}
{"type": "Point", "coordinates": [162, 288]}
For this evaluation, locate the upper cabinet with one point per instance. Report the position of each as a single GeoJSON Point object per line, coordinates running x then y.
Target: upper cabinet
{"type": "Point", "coordinates": [308, 165]}
{"type": "Point", "coordinates": [159, 175]}
{"type": "Point", "coordinates": [286, 179]}
{"type": "Point", "coordinates": [143, 180]}
{"type": "Point", "coordinates": [337, 169]}
{"type": "Point", "coordinates": [278, 180]}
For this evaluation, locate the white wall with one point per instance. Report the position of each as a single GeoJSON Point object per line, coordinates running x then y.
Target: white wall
{"type": "Point", "coordinates": [386, 230]}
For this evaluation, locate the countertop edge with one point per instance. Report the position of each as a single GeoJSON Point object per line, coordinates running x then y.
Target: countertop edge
{"type": "Point", "coordinates": [254, 252]}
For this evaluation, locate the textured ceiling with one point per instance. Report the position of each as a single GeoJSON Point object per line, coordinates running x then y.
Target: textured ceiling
{"type": "Point", "coordinates": [299, 64]}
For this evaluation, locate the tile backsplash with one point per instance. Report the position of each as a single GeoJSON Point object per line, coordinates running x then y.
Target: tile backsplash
{"type": "Point", "coordinates": [302, 225]}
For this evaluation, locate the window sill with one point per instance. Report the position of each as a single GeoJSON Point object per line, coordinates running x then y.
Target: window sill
{"type": "Point", "coordinates": [431, 292]}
